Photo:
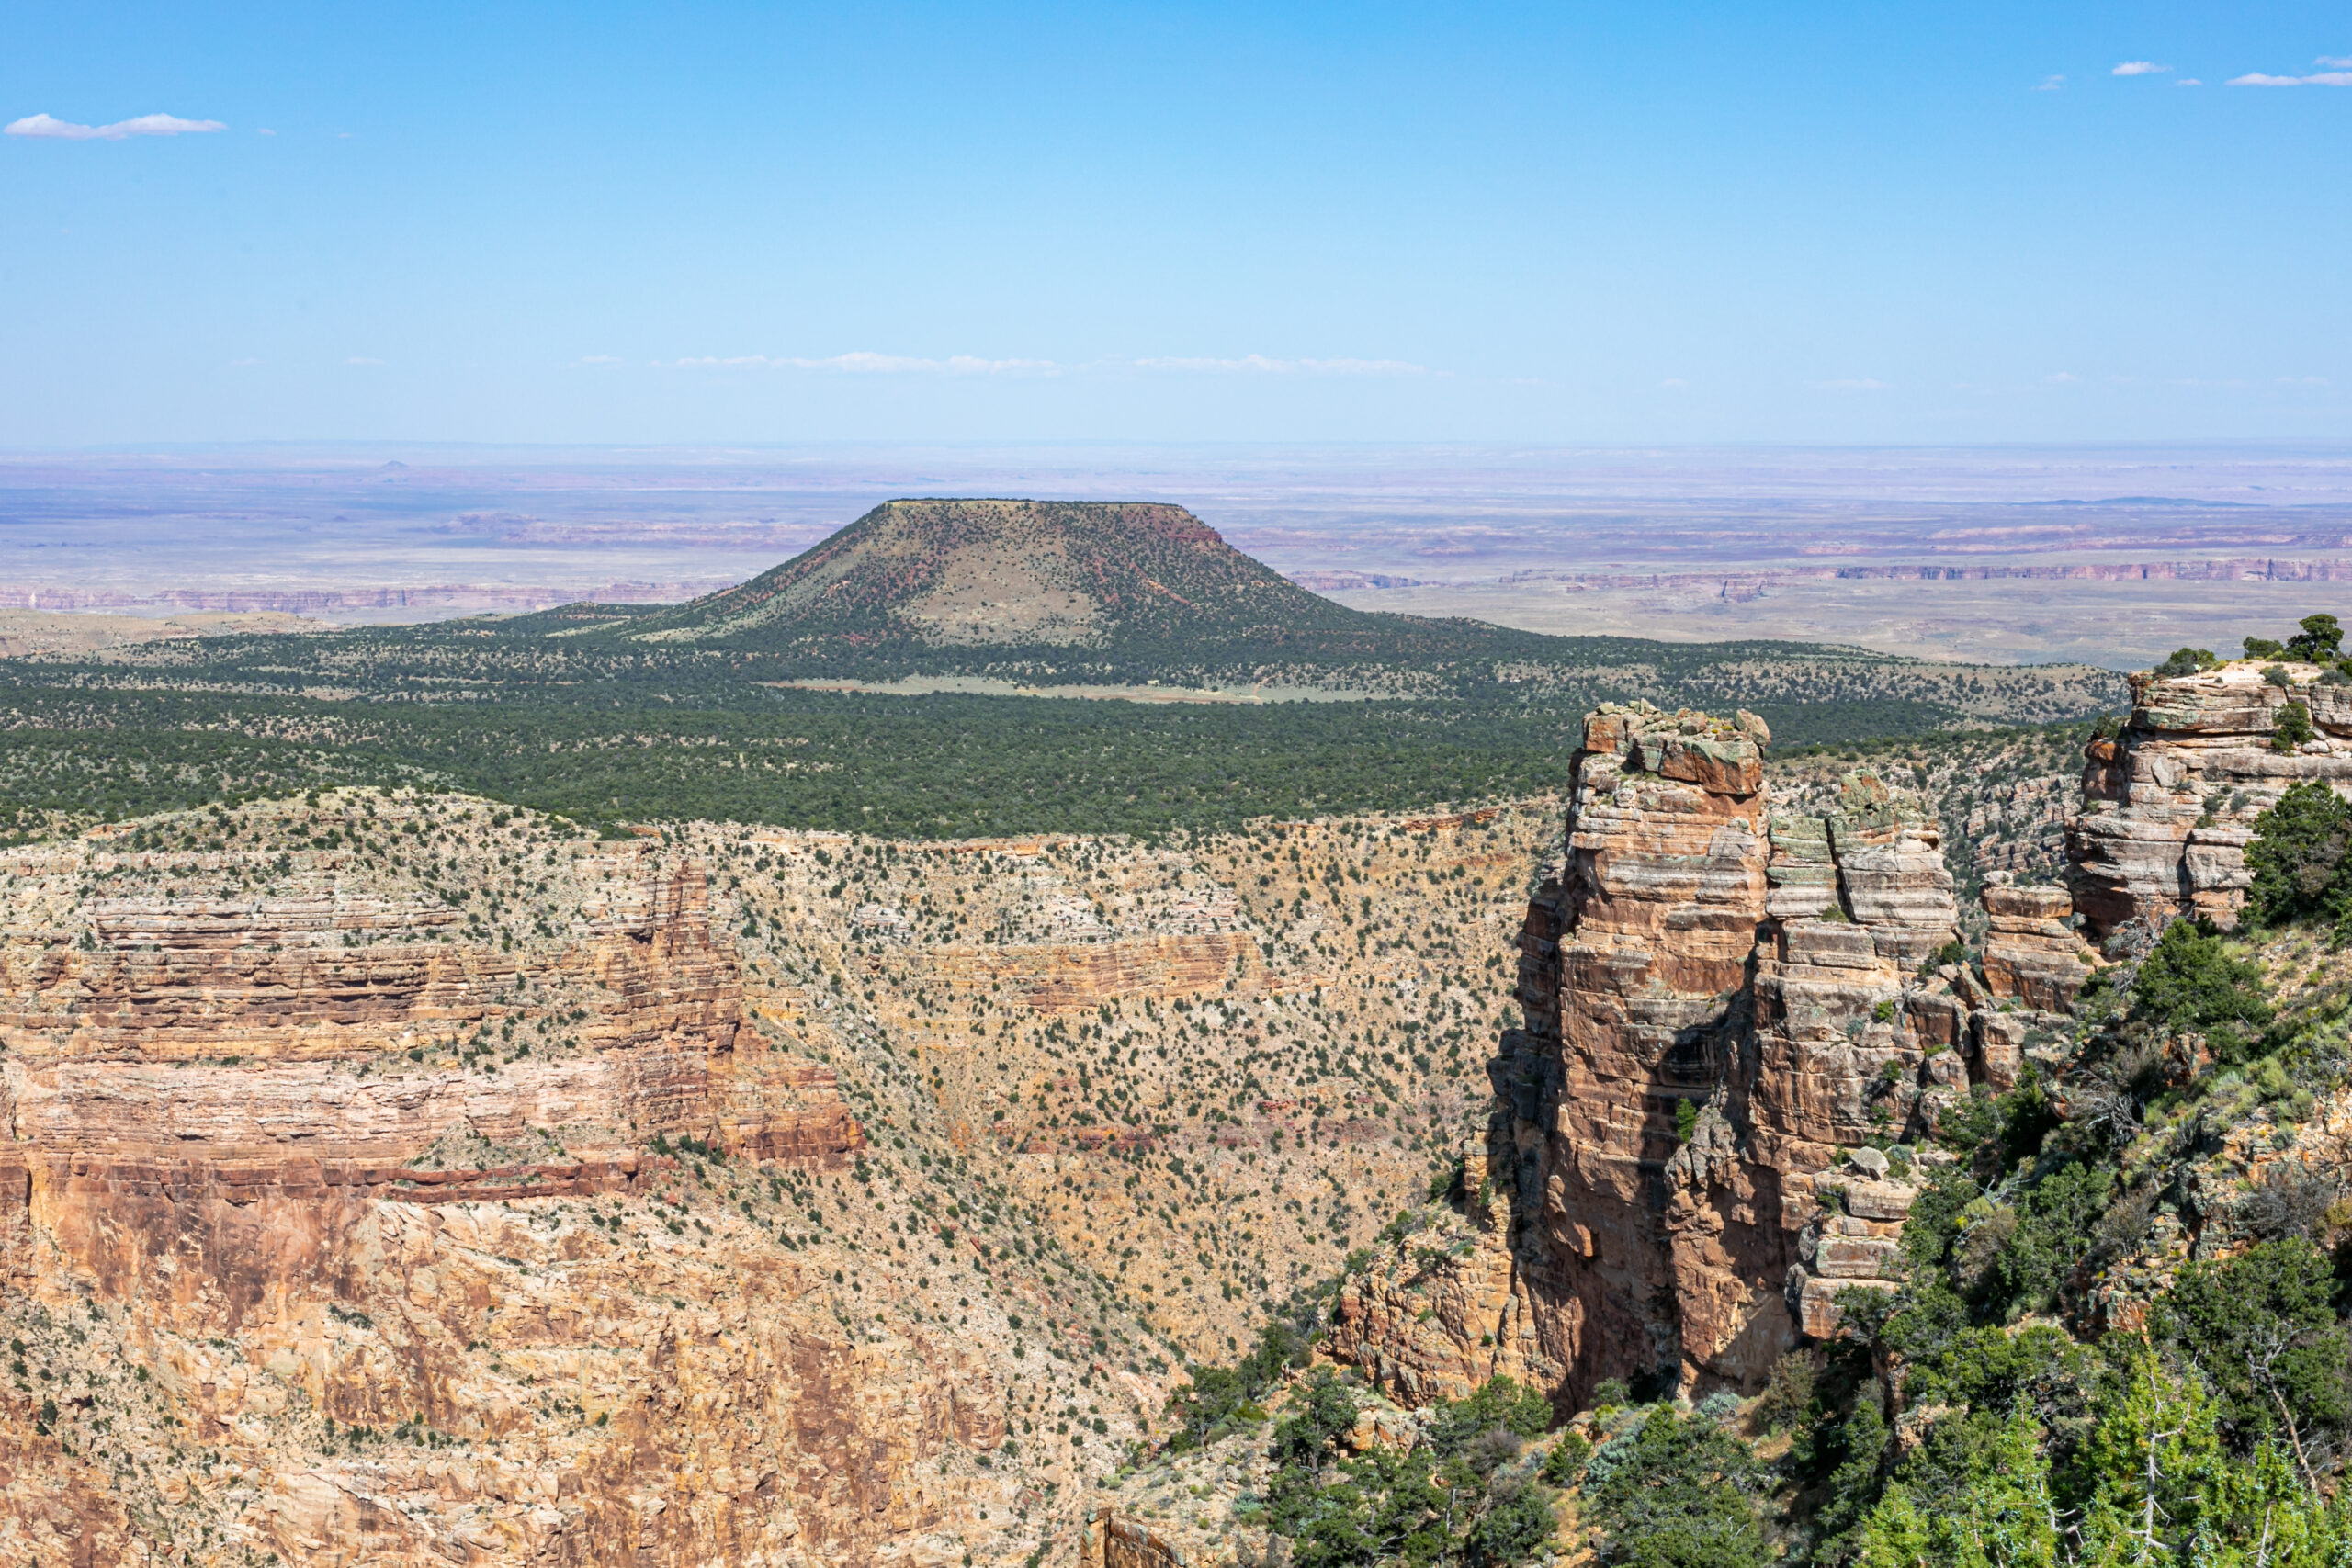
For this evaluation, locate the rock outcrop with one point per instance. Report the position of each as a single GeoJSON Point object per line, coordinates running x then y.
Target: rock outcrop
{"type": "Point", "coordinates": [2169, 803]}
{"type": "Point", "coordinates": [1729, 1008]}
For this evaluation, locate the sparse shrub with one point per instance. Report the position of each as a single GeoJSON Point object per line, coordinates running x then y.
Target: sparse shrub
{"type": "Point", "coordinates": [1788, 1393]}
{"type": "Point", "coordinates": [2292, 726]}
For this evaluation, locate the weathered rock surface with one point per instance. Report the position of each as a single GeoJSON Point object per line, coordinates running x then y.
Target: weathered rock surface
{"type": "Point", "coordinates": [1723, 1002]}
{"type": "Point", "coordinates": [343, 1221]}
{"type": "Point", "coordinates": [2170, 804]}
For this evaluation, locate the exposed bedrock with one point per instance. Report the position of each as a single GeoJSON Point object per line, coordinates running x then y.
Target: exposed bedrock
{"type": "Point", "coordinates": [2169, 803]}
{"type": "Point", "coordinates": [189, 1055]}
{"type": "Point", "coordinates": [1727, 1006]}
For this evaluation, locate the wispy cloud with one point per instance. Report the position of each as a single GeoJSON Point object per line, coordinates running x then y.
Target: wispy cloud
{"type": "Point", "coordinates": [864, 363]}
{"type": "Point", "coordinates": [2336, 61]}
{"type": "Point", "coordinates": [1853, 384]}
{"type": "Point", "coordinates": [1258, 365]}
{"type": "Point", "coordinates": [2139, 68]}
{"type": "Point", "coordinates": [600, 359]}
{"type": "Point", "coordinates": [362, 359]}
{"type": "Point", "coordinates": [52, 128]}
{"type": "Point", "coordinates": [2316, 79]}
{"type": "Point", "coordinates": [2050, 84]}
{"type": "Point", "coordinates": [2302, 380]}
{"type": "Point", "coordinates": [2188, 81]}
{"type": "Point", "coordinates": [2060, 377]}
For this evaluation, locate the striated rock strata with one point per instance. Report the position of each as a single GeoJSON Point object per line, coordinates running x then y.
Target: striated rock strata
{"type": "Point", "coordinates": [2169, 803]}
{"type": "Point", "coordinates": [1727, 1005]}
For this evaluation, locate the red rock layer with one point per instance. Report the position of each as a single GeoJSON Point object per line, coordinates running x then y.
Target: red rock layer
{"type": "Point", "coordinates": [1722, 1003]}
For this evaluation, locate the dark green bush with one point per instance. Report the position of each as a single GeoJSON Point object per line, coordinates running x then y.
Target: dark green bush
{"type": "Point", "coordinates": [2297, 858]}
{"type": "Point", "coordinates": [2189, 661]}
{"type": "Point", "coordinates": [2292, 726]}
{"type": "Point", "coordinates": [2262, 1329]}
{"type": "Point", "coordinates": [2319, 641]}
{"type": "Point", "coordinates": [1676, 1492]}
{"type": "Point", "coordinates": [2190, 982]}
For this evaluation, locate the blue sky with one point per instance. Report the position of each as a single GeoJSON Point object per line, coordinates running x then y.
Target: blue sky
{"type": "Point", "coordinates": [1578, 223]}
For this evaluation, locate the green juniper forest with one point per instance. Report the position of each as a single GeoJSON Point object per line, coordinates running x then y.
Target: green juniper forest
{"type": "Point", "coordinates": [613, 713]}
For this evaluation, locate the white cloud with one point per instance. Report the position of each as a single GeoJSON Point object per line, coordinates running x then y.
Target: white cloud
{"type": "Point", "coordinates": [1258, 365]}
{"type": "Point", "coordinates": [600, 359]}
{"type": "Point", "coordinates": [866, 362]}
{"type": "Point", "coordinates": [1674, 381]}
{"type": "Point", "coordinates": [1855, 384]}
{"type": "Point", "coordinates": [2188, 81]}
{"type": "Point", "coordinates": [2317, 79]}
{"type": "Point", "coordinates": [2336, 61]}
{"type": "Point", "coordinates": [55, 129]}
{"type": "Point", "coordinates": [2050, 84]}
{"type": "Point", "coordinates": [2060, 377]}
{"type": "Point", "coordinates": [2139, 68]}
{"type": "Point", "coordinates": [362, 359]}
{"type": "Point", "coordinates": [265, 130]}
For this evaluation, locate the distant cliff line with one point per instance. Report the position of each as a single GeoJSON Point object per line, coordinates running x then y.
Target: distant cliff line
{"type": "Point", "coordinates": [2232, 569]}
{"type": "Point", "coordinates": [300, 601]}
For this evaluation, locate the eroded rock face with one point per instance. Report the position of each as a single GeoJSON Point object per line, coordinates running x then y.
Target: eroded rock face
{"type": "Point", "coordinates": [1726, 1005]}
{"type": "Point", "coordinates": [265, 1150]}
{"type": "Point", "coordinates": [2169, 804]}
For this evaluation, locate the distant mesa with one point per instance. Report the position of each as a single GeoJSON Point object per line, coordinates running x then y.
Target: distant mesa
{"type": "Point", "coordinates": [1003, 573]}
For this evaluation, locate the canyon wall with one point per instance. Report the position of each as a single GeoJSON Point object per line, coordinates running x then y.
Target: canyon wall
{"type": "Point", "coordinates": [1727, 1007]}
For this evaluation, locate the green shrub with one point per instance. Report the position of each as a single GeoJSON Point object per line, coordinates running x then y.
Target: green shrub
{"type": "Point", "coordinates": [1500, 1404]}
{"type": "Point", "coordinates": [1686, 1120]}
{"type": "Point", "coordinates": [2297, 858]}
{"type": "Point", "coordinates": [2262, 1329]}
{"type": "Point", "coordinates": [1788, 1393]}
{"type": "Point", "coordinates": [2190, 981]}
{"type": "Point", "coordinates": [2263, 647]}
{"type": "Point", "coordinates": [1676, 1492]}
{"type": "Point", "coordinates": [2292, 726]}
{"type": "Point", "coordinates": [1565, 1461]}
{"type": "Point", "coordinates": [2319, 641]}
{"type": "Point", "coordinates": [1515, 1523]}
{"type": "Point", "coordinates": [2189, 661]}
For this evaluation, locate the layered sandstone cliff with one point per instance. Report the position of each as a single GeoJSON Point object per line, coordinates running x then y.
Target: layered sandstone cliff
{"type": "Point", "coordinates": [1729, 1007]}
{"type": "Point", "coordinates": [365, 1201]}
{"type": "Point", "coordinates": [2169, 803]}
